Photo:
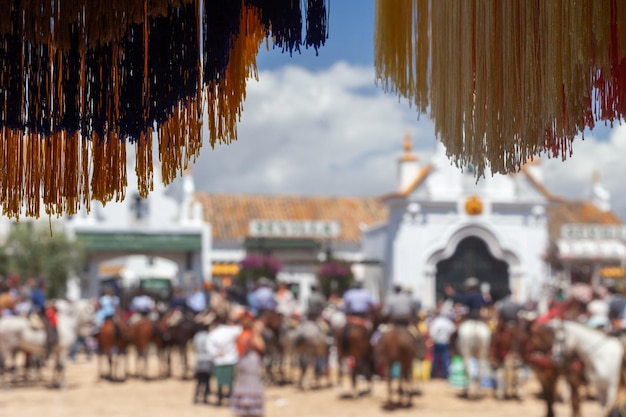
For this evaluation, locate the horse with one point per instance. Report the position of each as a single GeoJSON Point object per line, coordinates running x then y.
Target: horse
{"type": "Point", "coordinates": [113, 340]}
{"type": "Point", "coordinates": [506, 361]}
{"type": "Point", "coordinates": [274, 328]}
{"type": "Point", "coordinates": [17, 334]}
{"type": "Point", "coordinates": [177, 334]}
{"type": "Point", "coordinates": [536, 344]}
{"type": "Point", "coordinates": [353, 342]}
{"type": "Point", "coordinates": [142, 334]}
{"type": "Point", "coordinates": [396, 346]}
{"type": "Point", "coordinates": [602, 356]}
{"type": "Point", "coordinates": [473, 341]}
{"type": "Point", "coordinates": [309, 343]}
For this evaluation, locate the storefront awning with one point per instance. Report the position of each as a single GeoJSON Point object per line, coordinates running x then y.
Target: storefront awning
{"type": "Point", "coordinates": [594, 249]}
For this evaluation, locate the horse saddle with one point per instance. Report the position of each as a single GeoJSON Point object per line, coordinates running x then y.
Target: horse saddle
{"type": "Point", "coordinates": [204, 318]}
{"type": "Point", "coordinates": [134, 319]}
{"type": "Point", "coordinates": [359, 321]}
{"type": "Point", "coordinates": [36, 322]}
{"type": "Point", "coordinates": [175, 318]}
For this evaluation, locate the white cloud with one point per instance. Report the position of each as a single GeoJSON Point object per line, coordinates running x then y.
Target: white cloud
{"type": "Point", "coordinates": [333, 132]}
{"type": "Point", "coordinates": [572, 178]}
{"type": "Point", "coordinates": [326, 133]}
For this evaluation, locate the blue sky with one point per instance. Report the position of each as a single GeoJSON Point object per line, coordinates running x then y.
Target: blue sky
{"type": "Point", "coordinates": [319, 125]}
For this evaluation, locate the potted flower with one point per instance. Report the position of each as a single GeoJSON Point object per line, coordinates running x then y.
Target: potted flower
{"type": "Point", "coordinates": [255, 266]}
{"type": "Point", "coordinates": [334, 276]}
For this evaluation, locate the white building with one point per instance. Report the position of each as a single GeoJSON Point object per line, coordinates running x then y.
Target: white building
{"type": "Point", "coordinates": [437, 228]}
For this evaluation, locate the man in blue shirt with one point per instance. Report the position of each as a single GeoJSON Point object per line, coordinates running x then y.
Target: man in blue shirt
{"type": "Point", "coordinates": [197, 301]}
{"type": "Point", "coordinates": [178, 301]}
{"type": "Point", "coordinates": [38, 306]}
{"type": "Point", "coordinates": [472, 298]}
{"type": "Point", "coordinates": [262, 298]}
{"type": "Point", "coordinates": [357, 301]}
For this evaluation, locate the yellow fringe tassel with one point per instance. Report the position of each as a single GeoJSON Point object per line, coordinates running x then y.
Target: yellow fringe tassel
{"type": "Point", "coordinates": [505, 81]}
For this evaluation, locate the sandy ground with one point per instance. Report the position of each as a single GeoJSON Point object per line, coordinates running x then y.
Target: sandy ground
{"type": "Point", "coordinates": [86, 396]}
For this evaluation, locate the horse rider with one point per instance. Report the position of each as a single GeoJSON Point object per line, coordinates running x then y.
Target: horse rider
{"type": "Point", "coordinates": [108, 307]}
{"type": "Point", "coordinates": [472, 299]}
{"type": "Point", "coordinates": [316, 304]}
{"type": "Point", "coordinates": [39, 306]}
{"type": "Point", "coordinates": [262, 299]}
{"type": "Point", "coordinates": [178, 301]}
{"type": "Point", "coordinates": [617, 306]}
{"type": "Point", "coordinates": [507, 311]}
{"type": "Point", "coordinates": [220, 303]}
{"type": "Point", "coordinates": [286, 304]}
{"type": "Point", "coordinates": [141, 305]}
{"type": "Point", "coordinates": [7, 302]}
{"type": "Point", "coordinates": [399, 310]}
{"type": "Point", "coordinates": [358, 302]}
{"type": "Point", "coordinates": [197, 301]}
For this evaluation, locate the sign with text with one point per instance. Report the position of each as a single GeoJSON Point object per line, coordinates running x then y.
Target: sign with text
{"type": "Point", "coordinates": [288, 228]}
{"type": "Point", "coordinates": [593, 231]}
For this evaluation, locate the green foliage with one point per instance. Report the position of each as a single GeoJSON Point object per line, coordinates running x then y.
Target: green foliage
{"type": "Point", "coordinates": [32, 251]}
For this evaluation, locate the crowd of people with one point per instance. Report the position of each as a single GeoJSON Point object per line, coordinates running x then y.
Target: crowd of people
{"type": "Point", "coordinates": [230, 346]}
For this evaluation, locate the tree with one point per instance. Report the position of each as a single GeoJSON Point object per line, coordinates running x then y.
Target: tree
{"type": "Point", "coordinates": [35, 252]}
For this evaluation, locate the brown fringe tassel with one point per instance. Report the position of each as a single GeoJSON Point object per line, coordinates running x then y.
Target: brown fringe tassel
{"type": "Point", "coordinates": [62, 171]}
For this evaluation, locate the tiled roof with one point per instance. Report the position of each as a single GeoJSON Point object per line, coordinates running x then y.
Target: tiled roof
{"type": "Point", "coordinates": [577, 212]}
{"type": "Point", "coordinates": [230, 214]}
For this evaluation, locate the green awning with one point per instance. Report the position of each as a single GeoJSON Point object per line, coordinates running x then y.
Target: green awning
{"type": "Point", "coordinates": [139, 242]}
{"type": "Point", "coordinates": [278, 243]}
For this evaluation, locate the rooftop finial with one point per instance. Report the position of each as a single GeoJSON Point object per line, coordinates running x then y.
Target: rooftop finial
{"type": "Point", "coordinates": [595, 177]}
{"type": "Point", "coordinates": [408, 145]}
{"type": "Point", "coordinates": [408, 148]}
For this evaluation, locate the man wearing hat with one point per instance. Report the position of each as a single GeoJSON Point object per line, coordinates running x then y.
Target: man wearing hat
{"type": "Point", "coordinates": [472, 299]}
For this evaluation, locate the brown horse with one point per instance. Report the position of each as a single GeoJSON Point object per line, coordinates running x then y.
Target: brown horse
{"type": "Point", "coordinates": [112, 343]}
{"type": "Point", "coordinates": [274, 328]}
{"type": "Point", "coordinates": [536, 345]}
{"type": "Point", "coordinates": [353, 343]}
{"type": "Point", "coordinates": [143, 334]}
{"type": "Point", "coordinates": [397, 347]}
{"type": "Point", "coordinates": [505, 358]}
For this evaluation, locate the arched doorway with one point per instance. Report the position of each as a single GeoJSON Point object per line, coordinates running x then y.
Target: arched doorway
{"type": "Point", "coordinates": [473, 258]}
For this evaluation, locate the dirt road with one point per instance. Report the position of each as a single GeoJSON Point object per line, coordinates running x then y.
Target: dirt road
{"type": "Point", "coordinates": [85, 396]}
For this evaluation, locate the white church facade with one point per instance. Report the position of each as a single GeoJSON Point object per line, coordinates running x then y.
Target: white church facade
{"type": "Point", "coordinates": [444, 226]}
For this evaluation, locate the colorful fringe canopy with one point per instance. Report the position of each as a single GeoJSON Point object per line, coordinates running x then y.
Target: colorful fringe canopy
{"type": "Point", "coordinates": [505, 81]}
{"type": "Point", "coordinates": [82, 79]}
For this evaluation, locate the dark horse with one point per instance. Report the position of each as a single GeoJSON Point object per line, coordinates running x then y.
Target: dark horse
{"type": "Point", "coordinates": [112, 343]}
{"type": "Point", "coordinates": [397, 347]}
{"type": "Point", "coordinates": [505, 357]}
{"type": "Point", "coordinates": [353, 342]}
{"type": "Point", "coordinates": [176, 336]}
{"type": "Point", "coordinates": [536, 346]}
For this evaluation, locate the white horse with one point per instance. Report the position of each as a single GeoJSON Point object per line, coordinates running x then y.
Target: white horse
{"type": "Point", "coordinates": [473, 340]}
{"type": "Point", "coordinates": [602, 356]}
{"type": "Point", "coordinates": [17, 334]}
